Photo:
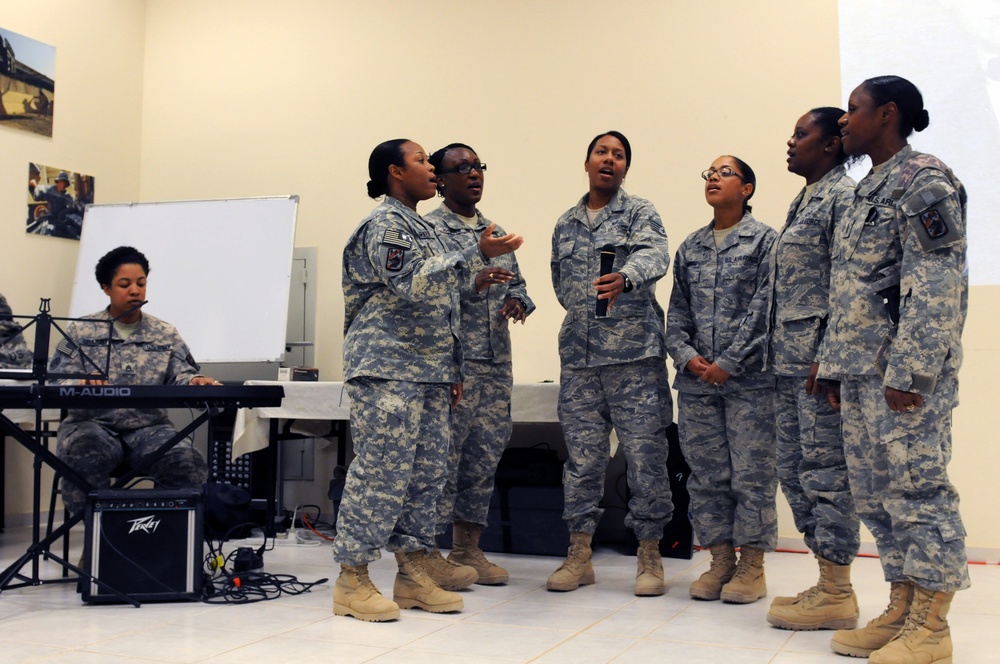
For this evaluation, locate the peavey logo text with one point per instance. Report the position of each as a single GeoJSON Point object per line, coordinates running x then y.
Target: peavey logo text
{"type": "Point", "coordinates": [101, 391]}
{"type": "Point", "coordinates": [147, 524]}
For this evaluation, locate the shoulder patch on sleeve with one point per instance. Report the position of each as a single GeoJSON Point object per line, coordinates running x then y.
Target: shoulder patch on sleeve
{"type": "Point", "coordinates": [929, 214]}
{"type": "Point", "coordinates": [394, 259]}
{"type": "Point", "coordinates": [397, 238]}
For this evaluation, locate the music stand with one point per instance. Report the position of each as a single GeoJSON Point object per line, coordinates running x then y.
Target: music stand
{"type": "Point", "coordinates": [43, 323]}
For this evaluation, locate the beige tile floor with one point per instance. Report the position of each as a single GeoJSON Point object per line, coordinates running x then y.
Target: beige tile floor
{"type": "Point", "coordinates": [518, 622]}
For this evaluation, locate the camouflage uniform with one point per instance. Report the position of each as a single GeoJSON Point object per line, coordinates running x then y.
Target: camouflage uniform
{"type": "Point", "coordinates": [481, 423]}
{"type": "Point", "coordinates": [401, 356]}
{"type": "Point", "coordinates": [614, 372]}
{"type": "Point", "coordinates": [811, 465]}
{"type": "Point", "coordinates": [14, 354]}
{"type": "Point", "coordinates": [94, 442]}
{"type": "Point", "coordinates": [718, 310]}
{"type": "Point", "coordinates": [908, 220]}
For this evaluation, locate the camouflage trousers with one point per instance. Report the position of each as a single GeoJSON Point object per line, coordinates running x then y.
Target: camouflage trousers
{"type": "Point", "coordinates": [634, 399]}
{"type": "Point", "coordinates": [728, 440]}
{"type": "Point", "coordinates": [401, 434]}
{"type": "Point", "coordinates": [480, 429]}
{"type": "Point", "coordinates": [94, 451]}
{"type": "Point", "coordinates": [898, 470]}
{"type": "Point", "coordinates": [813, 472]}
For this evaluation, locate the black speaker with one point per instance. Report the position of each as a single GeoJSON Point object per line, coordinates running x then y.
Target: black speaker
{"type": "Point", "coordinates": [678, 534]}
{"type": "Point", "coordinates": [145, 543]}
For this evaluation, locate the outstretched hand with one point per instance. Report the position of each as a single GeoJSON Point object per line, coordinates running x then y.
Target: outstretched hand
{"type": "Point", "coordinates": [491, 247]}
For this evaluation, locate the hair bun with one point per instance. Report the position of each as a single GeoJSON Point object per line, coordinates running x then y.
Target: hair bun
{"type": "Point", "coordinates": [373, 189]}
{"type": "Point", "coordinates": [921, 120]}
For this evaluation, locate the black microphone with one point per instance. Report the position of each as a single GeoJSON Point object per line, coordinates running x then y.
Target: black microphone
{"type": "Point", "coordinates": [131, 310]}
{"type": "Point", "coordinates": [607, 263]}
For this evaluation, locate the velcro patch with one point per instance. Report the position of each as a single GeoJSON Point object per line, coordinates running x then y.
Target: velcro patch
{"type": "Point", "coordinates": [934, 223]}
{"type": "Point", "coordinates": [397, 238]}
{"type": "Point", "coordinates": [65, 347]}
{"type": "Point", "coordinates": [394, 259]}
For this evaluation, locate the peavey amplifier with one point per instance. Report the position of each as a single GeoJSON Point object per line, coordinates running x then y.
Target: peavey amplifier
{"type": "Point", "coordinates": [145, 543]}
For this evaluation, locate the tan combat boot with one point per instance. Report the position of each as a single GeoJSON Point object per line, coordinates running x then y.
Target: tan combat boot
{"type": "Point", "coordinates": [925, 637]}
{"type": "Point", "coordinates": [354, 594]}
{"type": "Point", "coordinates": [879, 631]}
{"type": "Point", "coordinates": [649, 569]}
{"type": "Point", "coordinates": [830, 604]}
{"type": "Point", "coordinates": [415, 589]}
{"type": "Point", "coordinates": [447, 574]}
{"type": "Point", "coordinates": [748, 584]}
{"type": "Point", "coordinates": [465, 551]}
{"type": "Point", "coordinates": [576, 570]}
{"type": "Point", "coordinates": [723, 567]}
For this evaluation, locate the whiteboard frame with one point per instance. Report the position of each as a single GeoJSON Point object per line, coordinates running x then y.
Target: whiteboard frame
{"type": "Point", "coordinates": [219, 270]}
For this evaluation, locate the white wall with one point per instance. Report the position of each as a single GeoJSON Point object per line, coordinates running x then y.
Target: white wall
{"type": "Point", "coordinates": [97, 130]}
{"type": "Point", "coordinates": [254, 97]}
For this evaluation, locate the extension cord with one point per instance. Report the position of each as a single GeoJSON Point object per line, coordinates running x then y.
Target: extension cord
{"type": "Point", "coordinates": [277, 542]}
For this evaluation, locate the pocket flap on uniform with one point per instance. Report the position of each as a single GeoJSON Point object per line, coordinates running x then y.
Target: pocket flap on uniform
{"type": "Point", "coordinates": [951, 530]}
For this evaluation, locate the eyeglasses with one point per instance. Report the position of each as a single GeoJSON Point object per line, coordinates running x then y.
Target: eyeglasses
{"type": "Point", "coordinates": [724, 172]}
{"type": "Point", "coordinates": [465, 168]}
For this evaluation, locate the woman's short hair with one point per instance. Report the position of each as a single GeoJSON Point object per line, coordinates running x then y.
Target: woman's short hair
{"type": "Point", "coordinates": [108, 266]}
{"type": "Point", "coordinates": [621, 137]}
{"type": "Point", "coordinates": [437, 159]}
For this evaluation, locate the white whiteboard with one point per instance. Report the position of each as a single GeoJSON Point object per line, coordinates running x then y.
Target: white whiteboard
{"type": "Point", "coordinates": [219, 270]}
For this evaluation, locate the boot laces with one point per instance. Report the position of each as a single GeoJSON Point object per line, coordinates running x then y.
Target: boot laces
{"type": "Point", "coordinates": [745, 570]}
{"type": "Point", "coordinates": [574, 557]}
{"type": "Point", "coordinates": [438, 560]}
{"type": "Point", "coordinates": [648, 557]}
{"type": "Point", "coordinates": [895, 601]}
{"type": "Point", "coordinates": [364, 583]}
{"type": "Point", "coordinates": [807, 594]}
{"type": "Point", "coordinates": [477, 555]}
{"type": "Point", "coordinates": [416, 567]}
{"type": "Point", "coordinates": [916, 618]}
{"type": "Point", "coordinates": [720, 565]}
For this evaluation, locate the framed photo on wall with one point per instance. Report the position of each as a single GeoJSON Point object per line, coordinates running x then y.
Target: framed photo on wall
{"type": "Point", "coordinates": [27, 83]}
{"type": "Point", "coordinates": [56, 201]}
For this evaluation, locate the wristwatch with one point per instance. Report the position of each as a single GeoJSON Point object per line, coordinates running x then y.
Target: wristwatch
{"type": "Point", "coordinates": [628, 284]}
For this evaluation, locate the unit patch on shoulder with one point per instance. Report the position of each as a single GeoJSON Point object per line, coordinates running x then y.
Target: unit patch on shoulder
{"type": "Point", "coordinates": [397, 238]}
{"type": "Point", "coordinates": [394, 259]}
{"type": "Point", "coordinates": [934, 223]}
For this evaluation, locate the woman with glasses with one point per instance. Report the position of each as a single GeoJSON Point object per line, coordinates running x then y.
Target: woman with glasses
{"type": "Point", "coordinates": [481, 423]}
{"type": "Point", "coordinates": [899, 292]}
{"type": "Point", "coordinates": [608, 252]}
{"type": "Point", "coordinates": [402, 371]}
{"type": "Point", "coordinates": [811, 465]}
{"type": "Point", "coordinates": [716, 333]}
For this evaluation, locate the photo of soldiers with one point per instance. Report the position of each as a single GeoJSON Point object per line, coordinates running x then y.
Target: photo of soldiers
{"type": "Point", "coordinates": [56, 201]}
